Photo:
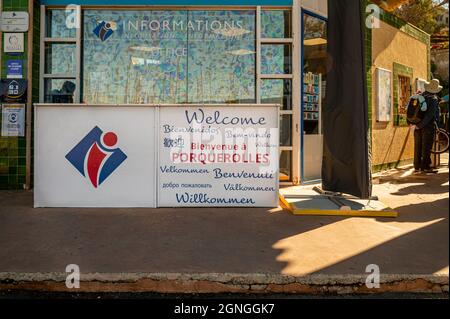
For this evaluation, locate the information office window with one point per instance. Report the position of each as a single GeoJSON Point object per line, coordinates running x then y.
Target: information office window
{"type": "Point", "coordinates": [276, 59]}
{"type": "Point", "coordinates": [277, 91]}
{"type": "Point", "coordinates": [60, 65]}
{"type": "Point", "coordinates": [134, 57]}
{"type": "Point", "coordinates": [276, 77]}
{"type": "Point", "coordinates": [276, 24]}
{"type": "Point", "coordinates": [56, 26]}
{"type": "Point", "coordinates": [169, 56]}
{"type": "Point", "coordinates": [125, 56]}
{"type": "Point", "coordinates": [60, 58]}
{"type": "Point", "coordinates": [221, 57]}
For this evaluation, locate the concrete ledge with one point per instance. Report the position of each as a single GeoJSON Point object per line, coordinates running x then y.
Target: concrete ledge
{"type": "Point", "coordinates": [224, 283]}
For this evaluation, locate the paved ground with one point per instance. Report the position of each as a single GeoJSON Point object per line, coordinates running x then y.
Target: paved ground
{"type": "Point", "coordinates": [243, 241]}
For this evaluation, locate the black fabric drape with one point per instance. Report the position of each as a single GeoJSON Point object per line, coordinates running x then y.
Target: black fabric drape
{"type": "Point", "coordinates": [346, 165]}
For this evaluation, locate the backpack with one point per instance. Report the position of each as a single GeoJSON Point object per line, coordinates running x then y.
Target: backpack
{"type": "Point", "coordinates": [415, 111]}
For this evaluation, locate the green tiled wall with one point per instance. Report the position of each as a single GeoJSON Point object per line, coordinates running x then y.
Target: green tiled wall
{"type": "Point", "coordinates": [386, 166]}
{"type": "Point", "coordinates": [402, 25]}
{"type": "Point", "coordinates": [13, 149]}
{"type": "Point", "coordinates": [15, 5]}
{"type": "Point", "coordinates": [368, 61]}
{"type": "Point", "coordinates": [35, 79]}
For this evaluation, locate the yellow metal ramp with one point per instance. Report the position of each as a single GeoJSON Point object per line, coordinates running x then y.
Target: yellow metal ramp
{"type": "Point", "coordinates": [311, 200]}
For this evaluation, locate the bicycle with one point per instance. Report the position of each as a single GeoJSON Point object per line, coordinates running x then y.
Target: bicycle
{"type": "Point", "coordinates": [441, 140]}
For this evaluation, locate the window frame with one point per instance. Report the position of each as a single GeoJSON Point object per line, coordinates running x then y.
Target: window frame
{"type": "Point", "coordinates": [44, 40]}
{"type": "Point", "coordinates": [260, 77]}
{"type": "Point", "coordinates": [77, 40]}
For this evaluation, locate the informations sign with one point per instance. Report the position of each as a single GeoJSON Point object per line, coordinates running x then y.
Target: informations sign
{"type": "Point", "coordinates": [218, 156]}
{"type": "Point", "coordinates": [13, 120]}
{"type": "Point", "coordinates": [95, 156]}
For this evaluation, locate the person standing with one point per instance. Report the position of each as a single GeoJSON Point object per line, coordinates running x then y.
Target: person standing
{"type": "Point", "coordinates": [424, 131]}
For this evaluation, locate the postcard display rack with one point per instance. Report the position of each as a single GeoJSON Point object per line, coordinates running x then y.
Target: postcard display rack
{"type": "Point", "coordinates": [312, 126]}
{"type": "Point", "coordinates": [312, 99]}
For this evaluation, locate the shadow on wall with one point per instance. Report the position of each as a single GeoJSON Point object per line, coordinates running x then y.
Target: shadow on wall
{"type": "Point", "coordinates": [386, 147]}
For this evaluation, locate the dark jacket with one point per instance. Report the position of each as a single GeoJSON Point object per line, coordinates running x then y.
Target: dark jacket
{"type": "Point", "coordinates": [432, 112]}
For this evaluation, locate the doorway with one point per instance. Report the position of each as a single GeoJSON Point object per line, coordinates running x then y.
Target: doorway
{"type": "Point", "coordinates": [314, 79]}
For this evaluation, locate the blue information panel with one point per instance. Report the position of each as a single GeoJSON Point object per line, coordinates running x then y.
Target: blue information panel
{"type": "Point", "coordinates": [14, 69]}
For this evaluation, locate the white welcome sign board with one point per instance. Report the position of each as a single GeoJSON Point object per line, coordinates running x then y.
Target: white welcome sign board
{"type": "Point", "coordinates": [212, 156]}
{"type": "Point", "coordinates": [156, 156]}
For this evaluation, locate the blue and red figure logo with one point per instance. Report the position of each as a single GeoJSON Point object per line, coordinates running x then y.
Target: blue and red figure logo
{"type": "Point", "coordinates": [104, 30]}
{"type": "Point", "coordinates": [95, 156]}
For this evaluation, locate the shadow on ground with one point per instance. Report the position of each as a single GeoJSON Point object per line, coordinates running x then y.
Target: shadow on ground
{"type": "Point", "coordinates": [222, 240]}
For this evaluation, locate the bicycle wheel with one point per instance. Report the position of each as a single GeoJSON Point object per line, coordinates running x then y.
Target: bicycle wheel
{"type": "Point", "coordinates": [441, 142]}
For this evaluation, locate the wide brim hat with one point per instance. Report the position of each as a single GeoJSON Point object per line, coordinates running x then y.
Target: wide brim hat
{"type": "Point", "coordinates": [433, 86]}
